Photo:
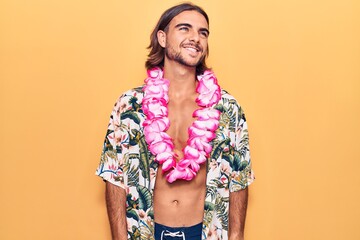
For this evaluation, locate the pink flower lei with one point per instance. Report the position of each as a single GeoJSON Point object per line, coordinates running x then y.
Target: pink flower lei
{"type": "Point", "coordinates": [201, 132]}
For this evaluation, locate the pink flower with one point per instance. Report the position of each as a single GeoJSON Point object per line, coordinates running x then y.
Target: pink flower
{"type": "Point", "coordinates": [200, 143]}
{"type": "Point", "coordinates": [154, 129]}
{"type": "Point", "coordinates": [180, 173]}
{"type": "Point", "coordinates": [209, 90]}
{"type": "Point", "coordinates": [201, 159]}
{"type": "Point", "coordinates": [191, 153]}
{"type": "Point", "coordinates": [209, 124]}
{"type": "Point", "coordinates": [168, 164]}
{"type": "Point", "coordinates": [158, 124]}
{"type": "Point", "coordinates": [224, 179]}
{"type": "Point", "coordinates": [156, 87]}
{"type": "Point", "coordinates": [195, 132]}
{"type": "Point", "coordinates": [159, 147]}
{"type": "Point", "coordinates": [153, 137]}
{"type": "Point", "coordinates": [157, 90]}
{"type": "Point", "coordinates": [190, 163]}
{"type": "Point", "coordinates": [161, 157]}
{"type": "Point", "coordinates": [112, 167]}
{"type": "Point", "coordinates": [155, 73]}
{"type": "Point", "coordinates": [206, 113]}
{"type": "Point", "coordinates": [155, 108]}
{"type": "Point", "coordinates": [167, 160]}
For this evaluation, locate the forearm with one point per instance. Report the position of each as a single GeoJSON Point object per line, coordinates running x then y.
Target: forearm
{"type": "Point", "coordinates": [116, 209]}
{"type": "Point", "coordinates": [237, 214]}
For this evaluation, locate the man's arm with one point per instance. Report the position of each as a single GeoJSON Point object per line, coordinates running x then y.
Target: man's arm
{"type": "Point", "coordinates": [237, 214]}
{"type": "Point", "coordinates": [116, 209]}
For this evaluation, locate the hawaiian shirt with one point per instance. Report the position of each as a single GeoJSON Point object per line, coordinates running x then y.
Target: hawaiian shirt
{"type": "Point", "coordinates": [127, 163]}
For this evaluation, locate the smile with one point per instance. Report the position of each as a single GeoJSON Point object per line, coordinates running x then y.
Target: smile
{"type": "Point", "coordinates": [192, 48]}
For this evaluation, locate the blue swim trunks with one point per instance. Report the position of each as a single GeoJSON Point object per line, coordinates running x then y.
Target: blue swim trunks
{"type": "Point", "coordinates": [178, 233]}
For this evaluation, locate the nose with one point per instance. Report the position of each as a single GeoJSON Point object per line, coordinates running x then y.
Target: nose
{"type": "Point", "coordinates": [195, 36]}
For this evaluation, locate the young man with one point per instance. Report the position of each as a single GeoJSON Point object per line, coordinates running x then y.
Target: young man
{"type": "Point", "coordinates": [176, 157]}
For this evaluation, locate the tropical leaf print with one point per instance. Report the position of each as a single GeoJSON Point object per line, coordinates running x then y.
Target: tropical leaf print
{"type": "Point", "coordinates": [243, 165]}
{"type": "Point", "coordinates": [135, 235]}
{"type": "Point", "coordinates": [133, 156]}
{"type": "Point", "coordinates": [134, 137]}
{"type": "Point", "coordinates": [221, 212]}
{"type": "Point", "coordinates": [131, 213]}
{"type": "Point", "coordinates": [146, 233]}
{"type": "Point", "coordinates": [211, 191]}
{"type": "Point", "coordinates": [133, 176]}
{"type": "Point", "coordinates": [134, 104]}
{"type": "Point", "coordinates": [241, 114]}
{"type": "Point", "coordinates": [232, 102]}
{"type": "Point", "coordinates": [107, 144]}
{"type": "Point", "coordinates": [132, 172]}
{"type": "Point", "coordinates": [221, 183]}
{"type": "Point", "coordinates": [139, 90]}
{"type": "Point", "coordinates": [132, 202]}
{"type": "Point", "coordinates": [110, 154]}
{"type": "Point", "coordinates": [150, 213]}
{"type": "Point", "coordinates": [119, 179]}
{"type": "Point", "coordinates": [218, 148]}
{"type": "Point", "coordinates": [226, 155]}
{"type": "Point", "coordinates": [144, 158]}
{"type": "Point", "coordinates": [145, 198]}
{"type": "Point", "coordinates": [209, 206]}
{"type": "Point", "coordinates": [238, 164]}
{"type": "Point", "coordinates": [208, 213]}
{"type": "Point", "coordinates": [232, 116]}
{"type": "Point", "coordinates": [244, 175]}
{"type": "Point", "coordinates": [220, 108]}
{"type": "Point", "coordinates": [132, 115]}
{"type": "Point", "coordinates": [224, 119]}
{"type": "Point", "coordinates": [244, 143]}
{"type": "Point", "coordinates": [236, 161]}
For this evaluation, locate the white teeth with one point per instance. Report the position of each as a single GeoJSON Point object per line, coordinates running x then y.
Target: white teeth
{"type": "Point", "coordinates": [191, 49]}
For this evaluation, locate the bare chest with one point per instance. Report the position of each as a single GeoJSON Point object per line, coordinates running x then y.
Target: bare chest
{"type": "Point", "coordinates": [180, 116]}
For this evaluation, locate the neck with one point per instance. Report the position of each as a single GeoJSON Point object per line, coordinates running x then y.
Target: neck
{"type": "Point", "coordinates": [182, 80]}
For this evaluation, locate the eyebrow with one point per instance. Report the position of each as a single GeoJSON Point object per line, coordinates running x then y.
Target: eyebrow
{"type": "Point", "coordinates": [190, 26]}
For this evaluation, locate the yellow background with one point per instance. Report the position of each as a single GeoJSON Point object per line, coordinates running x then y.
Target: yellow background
{"type": "Point", "coordinates": [294, 66]}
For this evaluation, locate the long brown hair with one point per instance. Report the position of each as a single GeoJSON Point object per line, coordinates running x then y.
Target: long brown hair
{"type": "Point", "coordinates": [157, 53]}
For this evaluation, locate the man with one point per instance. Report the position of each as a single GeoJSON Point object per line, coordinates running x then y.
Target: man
{"type": "Point", "coordinates": [176, 158]}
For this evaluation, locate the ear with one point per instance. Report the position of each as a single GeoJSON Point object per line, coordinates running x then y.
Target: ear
{"type": "Point", "coordinates": [161, 36]}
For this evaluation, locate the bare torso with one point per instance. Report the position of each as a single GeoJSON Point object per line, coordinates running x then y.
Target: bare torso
{"type": "Point", "coordinates": [180, 203]}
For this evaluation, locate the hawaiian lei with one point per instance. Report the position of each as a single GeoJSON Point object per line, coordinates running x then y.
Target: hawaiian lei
{"type": "Point", "coordinates": [201, 132]}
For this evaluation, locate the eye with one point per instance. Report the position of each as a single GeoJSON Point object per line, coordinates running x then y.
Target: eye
{"type": "Point", "coordinates": [204, 34]}
{"type": "Point", "coordinates": [184, 28]}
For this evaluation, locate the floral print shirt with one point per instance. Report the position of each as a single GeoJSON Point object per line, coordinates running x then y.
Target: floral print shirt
{"type": "Point", "coordinates": [127, 163]}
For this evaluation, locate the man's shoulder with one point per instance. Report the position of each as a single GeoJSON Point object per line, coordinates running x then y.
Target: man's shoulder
{"type": "Point", "coordinates": [136, 93]}
{"type": "Point", "coordinates": [128, 99]}
{"type": "Point", "coordinates": [226, 95]}
{"type": "Point", "coordinates": [229, 104]}
{"type": "Point", "coordinates": [227, 98]}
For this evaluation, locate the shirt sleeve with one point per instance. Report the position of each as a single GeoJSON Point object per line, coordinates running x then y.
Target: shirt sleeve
{"type": "Point", "coordinates": [242, 174]}
{"type": "Point", "coordinates": [115, 143]}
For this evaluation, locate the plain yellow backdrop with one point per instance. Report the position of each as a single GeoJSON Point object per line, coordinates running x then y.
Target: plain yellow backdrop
{"type": "Point", "coordinates": [294, 66]}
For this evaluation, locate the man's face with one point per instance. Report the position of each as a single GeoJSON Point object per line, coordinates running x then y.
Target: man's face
{"type": "Point", "coordinates": [186, 40]}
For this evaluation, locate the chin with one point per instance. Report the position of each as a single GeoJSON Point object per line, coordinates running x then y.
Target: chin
{"type": "Point", "coordinates": [192, 63]}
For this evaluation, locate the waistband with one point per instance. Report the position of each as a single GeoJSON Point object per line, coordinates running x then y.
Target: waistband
{"type": "Point", "coordinates": [192, 231]}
